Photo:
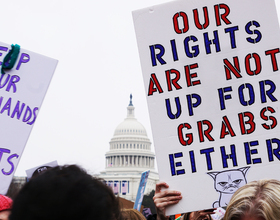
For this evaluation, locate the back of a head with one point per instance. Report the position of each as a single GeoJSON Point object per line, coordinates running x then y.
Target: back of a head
{"type": "Point", "coordinates": [132, 214]}
{"type": "Point", "coordinates": [65, 192]}
{"type": "Point", "coordinates": [257, 199]}
{"type": "Point", "coordinates": [186, 216]}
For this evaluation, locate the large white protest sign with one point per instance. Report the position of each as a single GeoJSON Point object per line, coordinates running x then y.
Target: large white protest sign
{"type": "Point", "coordinates": [211, 76]}
{"type": "Point", "coordinates": [22, 91]}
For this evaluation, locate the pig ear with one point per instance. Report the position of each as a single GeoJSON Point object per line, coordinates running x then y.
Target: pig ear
{"type": "Point", "coordinates": [213, 174]}
{"type": "Point", "coordinates": [244, 170]}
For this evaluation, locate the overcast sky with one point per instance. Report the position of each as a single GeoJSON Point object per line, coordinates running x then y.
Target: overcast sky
{"type": "Point", "coordinates": [95, 44]}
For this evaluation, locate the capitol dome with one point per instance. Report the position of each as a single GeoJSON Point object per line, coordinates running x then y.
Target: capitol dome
{"type": "Point", "coordinates": [130, 126]}
{"type": "Point", "coordinates": [129, 155]}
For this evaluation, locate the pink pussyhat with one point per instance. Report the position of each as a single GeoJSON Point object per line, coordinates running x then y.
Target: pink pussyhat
{"type": "Point", "coordinates": [5, 203]}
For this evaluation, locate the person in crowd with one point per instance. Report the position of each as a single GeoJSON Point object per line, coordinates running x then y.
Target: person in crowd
{"type": "Point", "coordinates": [5, 207]}
{"type": "Point", "coordinates": [165, 198]}
{"type": "Point", "coordinates": [65, 192]}
{"type": "Point", "coordinates": [132, 214]}
{"type": "Point", "coordinates": [198, 215]}
{"type": "Point", "coordinates": [257, 200]}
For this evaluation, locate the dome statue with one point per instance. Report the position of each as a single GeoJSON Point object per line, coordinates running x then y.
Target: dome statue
{"type": "Point", "coordinates": [129, 155]}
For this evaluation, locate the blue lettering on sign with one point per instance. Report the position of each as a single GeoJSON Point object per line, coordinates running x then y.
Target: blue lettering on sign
{"type": "Point", "coordinates": [177, 164]}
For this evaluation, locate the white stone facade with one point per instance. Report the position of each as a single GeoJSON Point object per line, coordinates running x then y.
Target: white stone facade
{"type": "Point", "coordinates": [129, 155]}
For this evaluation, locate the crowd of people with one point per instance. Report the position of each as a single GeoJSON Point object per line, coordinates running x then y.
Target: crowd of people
{"type": "Point", "coordinates": [69, 192]}
{"type": "Point", "coordinates": [257, 200]}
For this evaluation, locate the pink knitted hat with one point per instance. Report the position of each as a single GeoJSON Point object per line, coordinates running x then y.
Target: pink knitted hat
{"type": "Point", "coordinates": [5, 203]}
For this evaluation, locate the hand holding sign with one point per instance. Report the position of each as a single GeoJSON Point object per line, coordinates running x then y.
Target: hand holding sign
{"type": "Point", "coordinates": [165, 198]}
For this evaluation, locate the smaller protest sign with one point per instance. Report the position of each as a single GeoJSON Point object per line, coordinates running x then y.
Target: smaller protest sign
{"type": "Point", "coordinates": [141, 190]}
{"type": "Point", "coordinates": [35, 171]}
{"type": "Point", "coordinates": [146, 212]}
{"type": "Point", "coordinates": [22, 91]}
{"type": "Point", "coordinates": [219, 214]}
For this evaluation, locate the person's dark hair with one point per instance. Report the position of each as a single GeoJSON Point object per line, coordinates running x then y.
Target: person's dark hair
{"type": "Point", "coordinates": [65, 192]}
{"type": "Point", "coordinates": [186, 216]}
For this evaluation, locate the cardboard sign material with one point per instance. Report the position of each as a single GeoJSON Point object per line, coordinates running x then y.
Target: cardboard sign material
{"type": "Point", "coordinates": [22, 91]}
{"type": "Point", "coordinates": [211, 76]}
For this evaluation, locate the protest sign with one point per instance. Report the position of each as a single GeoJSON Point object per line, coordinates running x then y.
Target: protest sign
{"type": "Point", "coordinates": [219, 214]}
{"type": "Point", "coordinates": [211, 76]}
{"type": "Point", "coordinates": [141, 190]}
{"type": "Point", "coordinates": [22, 90]}
{"type": "Point", "coordinates": [39, 169]}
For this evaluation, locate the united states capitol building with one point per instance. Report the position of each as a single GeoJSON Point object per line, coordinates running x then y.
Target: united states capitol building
{"type": "Point", "coordinates": [129, 155]}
